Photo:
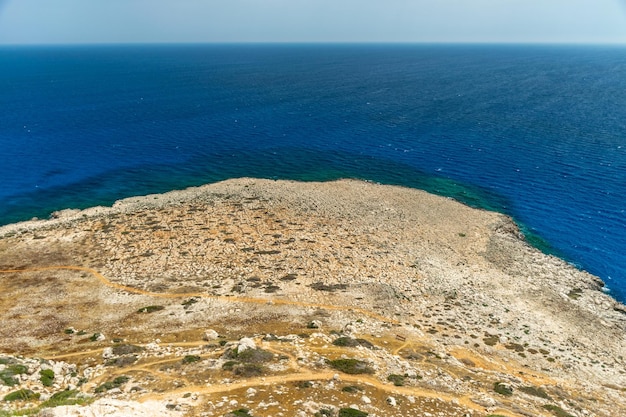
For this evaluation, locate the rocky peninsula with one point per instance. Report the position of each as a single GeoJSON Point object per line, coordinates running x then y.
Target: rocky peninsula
{"type": "Point", "coordinates": [267, 298]}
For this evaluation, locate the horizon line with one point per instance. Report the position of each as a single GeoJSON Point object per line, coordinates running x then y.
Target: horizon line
{"type": "Point", "coordinates": [338, 43]}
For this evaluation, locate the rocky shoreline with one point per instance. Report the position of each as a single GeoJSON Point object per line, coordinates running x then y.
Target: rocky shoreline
{"type": "Point", "coordinates": [443, 292]}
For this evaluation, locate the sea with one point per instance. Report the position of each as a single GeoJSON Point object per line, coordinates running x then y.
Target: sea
{"type": "Point", "coordinates": [536, 132]}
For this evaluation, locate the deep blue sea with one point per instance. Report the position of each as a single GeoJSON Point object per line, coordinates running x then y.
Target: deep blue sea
{"type": "Point", "coordinates": [537, 132]}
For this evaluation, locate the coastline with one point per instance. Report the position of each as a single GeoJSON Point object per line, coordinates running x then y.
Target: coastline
{"type": "Point", "coordinates": [461, 278]}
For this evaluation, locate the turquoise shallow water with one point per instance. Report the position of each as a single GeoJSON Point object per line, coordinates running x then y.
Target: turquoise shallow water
{"type": "Point", "coordinates": [535, 132]}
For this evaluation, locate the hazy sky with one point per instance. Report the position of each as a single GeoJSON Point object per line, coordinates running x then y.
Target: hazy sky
{"type": "Point", "coordinates": [114, 21]}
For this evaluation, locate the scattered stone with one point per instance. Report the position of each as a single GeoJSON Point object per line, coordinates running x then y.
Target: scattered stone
{"type": "Point", "coordinates": [245, 344]}
{"type": "Point", "coordinates": [210, 335]}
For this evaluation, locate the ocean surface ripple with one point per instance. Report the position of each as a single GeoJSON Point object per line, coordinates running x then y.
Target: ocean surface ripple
{"type": "Point", "coordinates": [537, 132]}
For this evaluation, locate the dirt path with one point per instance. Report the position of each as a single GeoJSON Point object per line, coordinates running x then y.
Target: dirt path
{"type": "Point", "coordinates": [297, 373]}
{"type": "Point", "coordinates": [250, 300]}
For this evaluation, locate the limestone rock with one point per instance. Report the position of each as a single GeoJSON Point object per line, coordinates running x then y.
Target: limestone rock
{"type": "Point", "coordinates": [245, 344]}
{"type": "Point", "coordinates": [209, 335]}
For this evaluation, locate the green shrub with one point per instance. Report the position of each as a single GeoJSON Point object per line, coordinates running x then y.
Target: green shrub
{"type": "Point", "coordinates": [534, 391]}
{"type": "Point", "coordinates": [351, 412]}
{"type": "Point", "coordinates": [22, 395]}
{"type": "Point", "coordinates": [67, 397]}
{"type": "Point", "coordinates": [242, 412]}
{"type": "Point", "coordinates": [229, 365]}
{"type": "Point", "coordinates": [398, 380]}
{"type": "Point", "coordinates": [557, 411]}
{"type": "Point", "coordinates": [7, 375]}
{"type": "Point", "coordinates": [491, 340]}
{"type": "Point", "coordinates": [351, 389]}
{"type": "Point", "coordinates": [46, 376]}
{"type": "Point", "coordinates": [150, 309]}
{"type": "Point", "coordinates": [350, 342]}
{"type": "Point", "coordinates": [126, 349]}
{"type": "Point", "coordinates": [116, 383]}
{"type": "Point", "coordinates": [351, 366]}
{"type": "Point", "coordinates": [304, 384]}
{"type": "Point", "coordinates": [255, 356]}
{"type": "Point", "coordinates": [188, 303]}
{"type": "Point", "coordinates": [17, 368]}
{"type": "Point", "coordinates": [503, 389]}
{"type": "Point", "coordinates": [191, 359]}
{"type": "Point", "coordinates": [248, 370]}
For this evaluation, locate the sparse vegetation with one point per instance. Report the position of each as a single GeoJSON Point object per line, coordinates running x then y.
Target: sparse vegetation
{"type": "Point", "coordinates": [46, 376]}
{"type": "Point", "coordinates": [248, 370]}
{"type": "Point", "coordinates": [557, 411]}
{"type": "Point", "coordinates": [7, 376]}
{"type": "Point", "coordinates": [150, 309]}
{"type": "Point", "coordinates": [126, 349]}
{"type": "Point", "coordinates": [351, 412]}
{"type": "Point", "coordinates": [242, 412]}
{"type": "Point", "coordinates": [188, 303]}
{"type": "Point", "coordinates": [320, 286]}
{"type": "Point", "coordinates": [251, 355]}
{"type": "Point", "coordinates": [351, 342]}
{"type": "Point", "coordinates": [503, 389]}
{"type": "Point", "coordinates": [21, 395]}
{"type": "Point", "coordinates": [116, 383]}
{"type": "Point", "coordinates": [536, 392]}
{"type": "Point", "coordinates": [191, 359]}
{"type": "Point", "coordinates": [491, 340]}
{"type": "Point", "coordinates": [398, 380]}
{"type": "Point", "coordinates": [304, 384]}
{"type": "Point", "coordinates": [351, 366]}
{"type": "Point", "coordinates": [122, 361]}
{"type": "Point", "coordinates": [575, 293]}
{"type": "Point", "coordinates": [67, 397]}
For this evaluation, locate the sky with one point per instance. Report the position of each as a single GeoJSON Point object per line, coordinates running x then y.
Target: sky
{"type": "Point", "coordinates": [165, 21]}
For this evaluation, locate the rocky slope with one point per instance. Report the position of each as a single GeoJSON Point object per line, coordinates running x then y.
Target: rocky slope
{"type": "Point", "coordinates": [346, 296]}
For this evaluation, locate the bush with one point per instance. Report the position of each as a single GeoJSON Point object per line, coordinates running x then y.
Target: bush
{"type": "Point", "coordinates": [122, 361]}
{"type": "Point", "coordinates": [351, 412]}
{"type": "Point", "coordinates": [242, 412]}
{"type": "Point", "coordinates": [116, 383]}
{"type": "Point", "coordinates": [229, 365]}
{"type": "Point", "coordinates": [557, 411]}
{"type": "Point", "coordinates": [248, 370]}
{"type": "Point", "coordinates": [503, 389]}
{"type": "Point", "coordinates": [126, 349]}
{"type": "Point", "coordinates": [7, 375]}
{"type": "Point", "coordinates": [398, 380]}
{"type": "Point", "coordinates": [537, 392]}
{"type": "Point", "coordinates": [350, 342]}
{"type": "Point", "coordinates": [46, 376]}
{"type": "Point", "coordinates": [191, 359]}
{"type": "Point", "coordinates": [351, 366]}
{"type": "Point", "coordinates": [255, 356]}
{"type": "Point", "coordinates": [150, 309]}
{"type": "Point", "coordinates": [22, 395]}
{"type": "Point", "coordinates": [67, 397]}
